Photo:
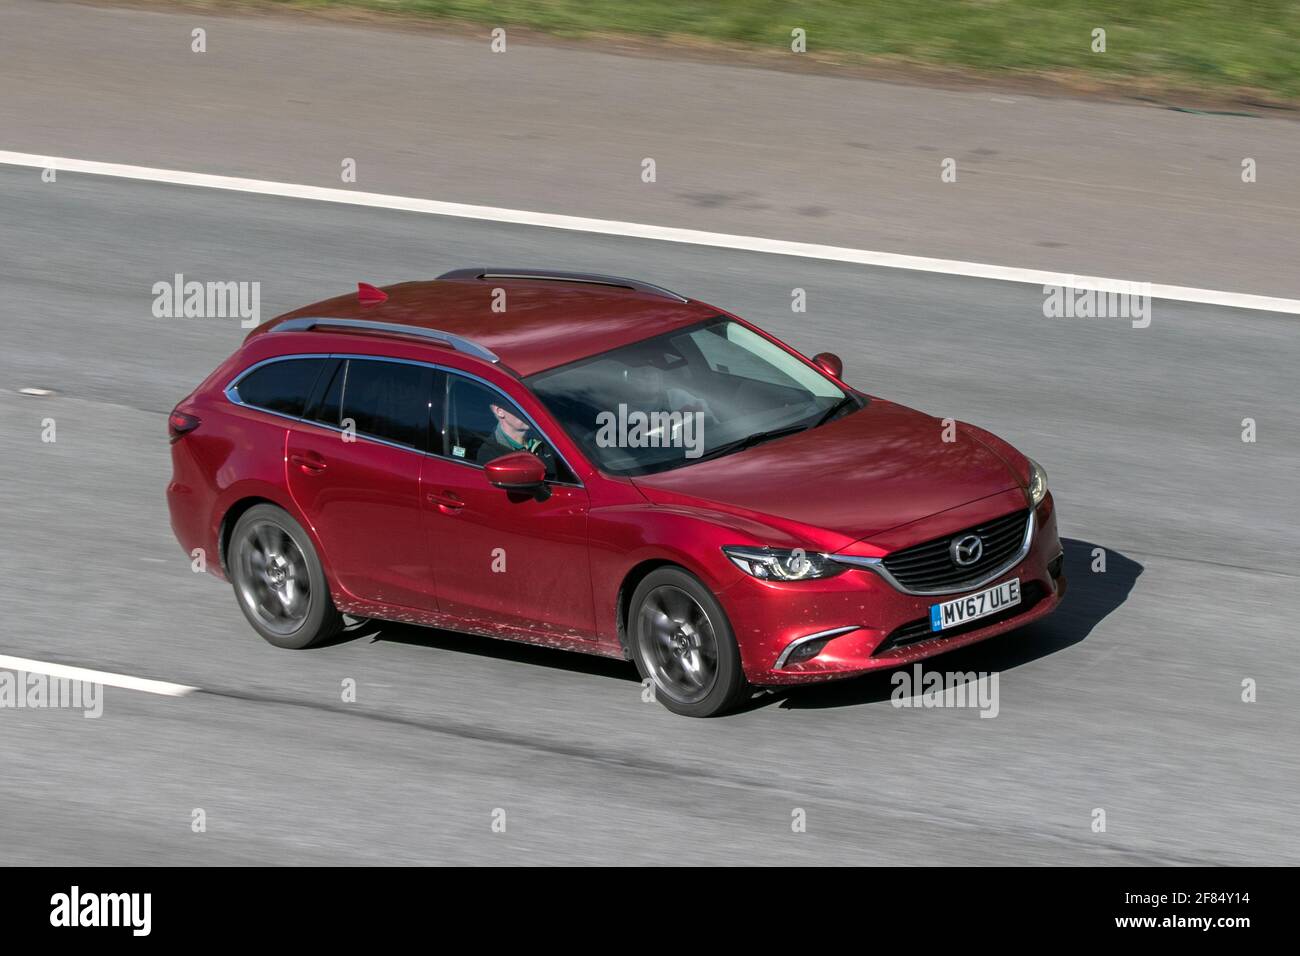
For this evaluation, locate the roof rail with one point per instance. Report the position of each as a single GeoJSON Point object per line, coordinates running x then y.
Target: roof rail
{"type": "Point", "coordinates": [583, 277]}
{"type": "Point", "coordinates": [457, 342]}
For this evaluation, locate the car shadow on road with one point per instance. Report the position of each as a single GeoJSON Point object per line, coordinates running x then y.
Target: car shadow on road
{"type": "Point", "coordinates": [1089, 598]}
{"type": "Point", "coordinates": [494, 648]}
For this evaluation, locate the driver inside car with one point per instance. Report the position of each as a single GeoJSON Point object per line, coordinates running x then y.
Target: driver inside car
{"type": "Point", "coordinates": [512, 435]}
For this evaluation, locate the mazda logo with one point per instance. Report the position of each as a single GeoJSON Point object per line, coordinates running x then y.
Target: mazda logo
{"type": "Point", "coordinates": [966, 550]}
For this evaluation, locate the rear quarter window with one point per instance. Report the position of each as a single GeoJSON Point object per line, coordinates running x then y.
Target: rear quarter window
{"type": "Point", "coordinates": [282, 387]}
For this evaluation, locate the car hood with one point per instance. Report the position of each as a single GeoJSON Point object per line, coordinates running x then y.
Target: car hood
{"type": "Point", "coordinates": [881, 467]}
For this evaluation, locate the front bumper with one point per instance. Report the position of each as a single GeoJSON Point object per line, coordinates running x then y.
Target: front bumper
{"type": "Point", "coordinates": [880, 627]}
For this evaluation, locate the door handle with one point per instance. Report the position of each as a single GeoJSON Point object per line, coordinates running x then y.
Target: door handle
{"type": "Point", "coordinates": [310, 464]}
{"type": "Point", "coordinates": [448, 503]}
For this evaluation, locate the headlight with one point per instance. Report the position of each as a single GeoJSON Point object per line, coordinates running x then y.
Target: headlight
{"type": "Point", "coordinates": [1037, 483]}
{"type": "Point", "coordinates": [778, 564]}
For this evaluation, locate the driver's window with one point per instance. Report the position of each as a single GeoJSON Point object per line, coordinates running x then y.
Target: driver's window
{"type": "Point", "coordinates": [482, 424]}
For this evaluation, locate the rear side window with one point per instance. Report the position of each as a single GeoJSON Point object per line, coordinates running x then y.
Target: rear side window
{"type": "Point", "coordinates": [282, 387]}
{"type": "Point", "coordinates": [388, 400]}
{"type": "Point", "coordinates": [328, 409]}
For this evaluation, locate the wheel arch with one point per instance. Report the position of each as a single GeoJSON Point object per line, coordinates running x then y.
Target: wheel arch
{"type": "Point", "coordinates": [631, 580]}
{"type": "Point", "coordinates": [231, 518]}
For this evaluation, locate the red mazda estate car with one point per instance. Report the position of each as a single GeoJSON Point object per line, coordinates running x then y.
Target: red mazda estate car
{"type": "Point", "coordinates": [601, 465]}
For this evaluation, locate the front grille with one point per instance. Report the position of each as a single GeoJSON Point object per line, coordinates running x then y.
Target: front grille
{"type": "Point", "coordinates": [930, 567]}
{"type": "Point", "coordinates": [919, 630]}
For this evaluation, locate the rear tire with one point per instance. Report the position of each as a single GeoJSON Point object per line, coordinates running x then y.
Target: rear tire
{"type": "Point", "coordinates": [279, 581]}
{"type": "Point", "coordinates": [682, 641]}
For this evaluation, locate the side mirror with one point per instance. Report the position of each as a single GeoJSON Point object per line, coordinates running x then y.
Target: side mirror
{"type": "Point", "coordinates": [829, 363]}
{"type": "Point", "coordinates": [518, 471]}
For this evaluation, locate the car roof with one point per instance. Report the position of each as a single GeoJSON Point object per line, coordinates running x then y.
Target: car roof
{"type": "Point", "coordinates": [546, 322]}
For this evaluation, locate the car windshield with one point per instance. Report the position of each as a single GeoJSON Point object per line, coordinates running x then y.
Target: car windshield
{"type": "Point", "coordinates": [700, 392]}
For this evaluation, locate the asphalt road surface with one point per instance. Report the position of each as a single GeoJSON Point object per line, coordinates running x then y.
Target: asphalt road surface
{"type": "Point", "coordinates": [1128, 699]}
{"type": "Point", "coordinates": [1132, 191]}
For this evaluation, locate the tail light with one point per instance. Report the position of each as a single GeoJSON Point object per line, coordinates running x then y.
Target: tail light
{"type": "Point", "coordinates": [179, 423]}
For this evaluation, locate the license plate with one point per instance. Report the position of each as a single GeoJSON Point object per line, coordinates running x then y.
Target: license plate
{"type": "Point", "coordinates": [975, 606]}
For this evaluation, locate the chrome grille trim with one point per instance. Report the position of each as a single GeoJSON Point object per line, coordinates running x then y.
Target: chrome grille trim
{"type": "Point", "coordinates": [878, 565]}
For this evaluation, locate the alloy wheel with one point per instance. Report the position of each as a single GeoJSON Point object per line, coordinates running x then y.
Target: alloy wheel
{"type": "Point", "coordinates": [271, 573]}
{"type": "Point", "coordinates": [677, 644]}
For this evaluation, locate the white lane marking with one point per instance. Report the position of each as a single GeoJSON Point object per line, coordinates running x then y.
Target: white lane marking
{"type": "Point", "coordinates": [636, 230]}
{"type": "Point", "coordinates": [95, 677]}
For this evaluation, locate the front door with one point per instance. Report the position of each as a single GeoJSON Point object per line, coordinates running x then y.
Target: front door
{"type": "Point", "coordinates": [505, 561]}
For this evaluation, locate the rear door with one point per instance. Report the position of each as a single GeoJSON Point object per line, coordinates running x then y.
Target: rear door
{"type": "Point", "coordinates": [354, 468]}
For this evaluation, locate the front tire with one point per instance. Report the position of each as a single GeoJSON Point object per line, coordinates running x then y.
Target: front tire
{"type": "Point", "coordinates": [682, 641]}
{"type": "Point", "coordinates": [279, 581]}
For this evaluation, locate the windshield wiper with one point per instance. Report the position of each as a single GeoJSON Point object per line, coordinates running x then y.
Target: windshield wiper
{"type": "Point", "coordinates": [835, 409]}
{"type": "Point", "coordinates": [740, 444]}
{"type": "Point", "coordinates": [749, 441]}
